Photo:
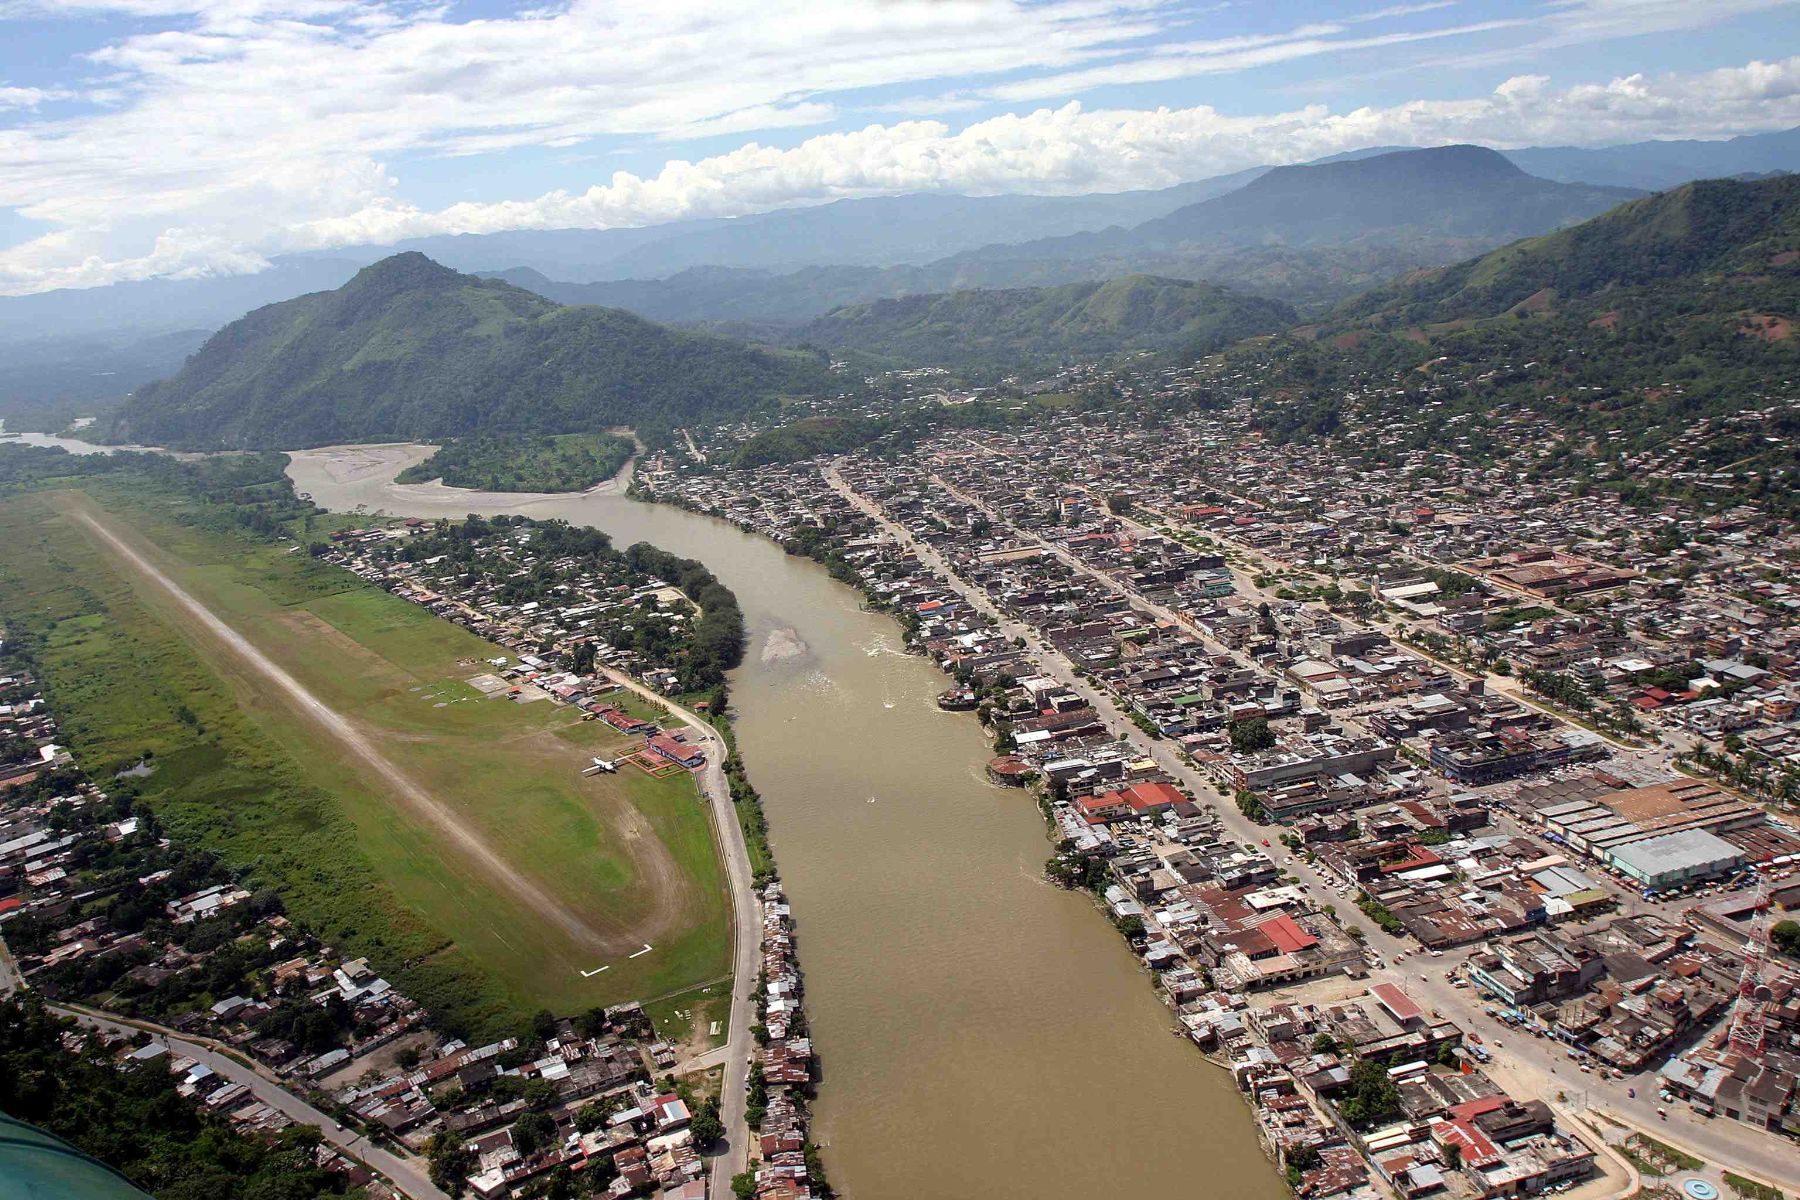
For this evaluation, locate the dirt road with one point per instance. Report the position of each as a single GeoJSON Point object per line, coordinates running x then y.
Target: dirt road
{"type": "Point", "coordinates": [414, 798]}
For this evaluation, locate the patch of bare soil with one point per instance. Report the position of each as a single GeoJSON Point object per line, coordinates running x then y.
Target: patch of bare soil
{"type": "Point", "coordinates": [1768, 327]}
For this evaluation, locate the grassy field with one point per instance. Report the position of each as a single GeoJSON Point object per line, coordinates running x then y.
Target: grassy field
{"type": "Point", "coordinates": [238, 770]}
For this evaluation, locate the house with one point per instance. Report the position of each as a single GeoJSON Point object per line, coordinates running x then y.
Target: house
{"type": "Point", "coordinates": [681, 753]}
{"type": "Point", "coordinates": [1137, 801]}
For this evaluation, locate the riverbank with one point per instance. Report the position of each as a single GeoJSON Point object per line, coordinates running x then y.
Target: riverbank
{"type": "Point", "coordinates": [967, 1012]}
{"type": "Point", "coordinates": [881, 599]}
{"type": "Point", "coordinates": [564, 638]}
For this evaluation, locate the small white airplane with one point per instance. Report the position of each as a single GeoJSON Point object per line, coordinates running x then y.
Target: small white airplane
{"type": "Point", "coordinates": [610, 766]}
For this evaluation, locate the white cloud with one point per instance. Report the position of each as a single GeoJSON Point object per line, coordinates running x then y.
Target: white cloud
{"type": "Point", "coordinates": [243, 128]}
{"type": "Point", "coordinates": [30, 97]}
{"type": "Point", "coordinates": [1563, 23]}
{"type": "Point", "coordinates": [1185, 61]}
{"type": "Point", "coordinates": [1068, 149]}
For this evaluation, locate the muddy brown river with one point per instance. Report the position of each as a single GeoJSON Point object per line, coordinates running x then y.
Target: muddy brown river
{"type": "Point", "coordinates": [982, 1033]}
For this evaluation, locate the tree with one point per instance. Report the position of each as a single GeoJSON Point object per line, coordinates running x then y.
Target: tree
{"type": "Point", "coordinates": [539, 1093]}
{"type": "Point", "coordinates": [1786, 937]}
{"type": "Point", "coordinates": [743, 1185]}
{"type": "Point", "coordinates": [1324, 1043]}
{"type": "Point", "coordinates": [449, 1161]}
{"type": "Point", "coordinates": [705, 1125]}
{"type": "Point", "coordinates": [1252, 806]}
{"type": "Point", "coordinates": [1453, 1155]}
{"type": "Point", "coordinates": [1373, 1095]}
{"type": "Point", "coordinates": [532, 1133]}
{"type": "Point", "coordinates": [1252, 735]}
{"type": "Point", "coordinates": [581, 661]}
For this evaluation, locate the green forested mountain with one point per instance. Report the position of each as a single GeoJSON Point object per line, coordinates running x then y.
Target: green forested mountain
{"type": "Point", "coordinates": [409, 348]}
{"type": "Point", "coordinates": [1723, 233]}
{"type": "Point", "coordinates": [1019, 327]}
{"type": "Point", "coordinates": [1661, 332]}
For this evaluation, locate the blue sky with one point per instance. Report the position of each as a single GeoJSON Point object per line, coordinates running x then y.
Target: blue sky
{"type": "Point", "coordinates": [150, 137]}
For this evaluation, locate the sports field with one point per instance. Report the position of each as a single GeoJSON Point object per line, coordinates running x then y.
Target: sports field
{"type": "Point", "coordinates": [340, 755]}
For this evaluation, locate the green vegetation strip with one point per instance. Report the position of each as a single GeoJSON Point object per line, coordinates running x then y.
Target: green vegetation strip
{"type": "Point", "coordinates": [1751, 1188]}
{"type": "Point", "coordinates": [568, 462]}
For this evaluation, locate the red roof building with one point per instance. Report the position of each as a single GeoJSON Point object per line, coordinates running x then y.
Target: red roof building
{"type": "Point", "coordinates": [676, 752]}
{"type": "Point", "coordinates": [1399, 1005]}
{"type": "Point", "coordinates": [1138, 800]}
{"type": "Point", "coordinates": [1287, 934]}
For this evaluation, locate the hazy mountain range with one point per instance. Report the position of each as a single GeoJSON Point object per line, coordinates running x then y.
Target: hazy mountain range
{"type": "Point", "coordinates": [1310, 236]}
{"type": "Point", "coordinates": [1699, 284]}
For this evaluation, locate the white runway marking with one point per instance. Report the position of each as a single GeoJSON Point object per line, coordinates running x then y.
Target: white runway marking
{"type": "Point", "coordinates": [597, 970]}
{"type": "Point", "coordinates": [647, 948]}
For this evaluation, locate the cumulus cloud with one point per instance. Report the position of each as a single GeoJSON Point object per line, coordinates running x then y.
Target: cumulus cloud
{"type": "Point", "coordinates": [1070, 150]}
{"type": "Point", "coordinates": [240, 129]}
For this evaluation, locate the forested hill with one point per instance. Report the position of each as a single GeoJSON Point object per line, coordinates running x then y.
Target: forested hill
{"type": "Point", "coordinates": [1725, 233]}
{"type": "Point", "coordinates": [1019, 327]}
{"type": "Point", "coordinates": [412, 349]}
{"type": "Point", "coordinates": [1661, 333]}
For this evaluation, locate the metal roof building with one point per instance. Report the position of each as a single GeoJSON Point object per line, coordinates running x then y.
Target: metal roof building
{"type": "Point", "coordinates": [1675, 858]}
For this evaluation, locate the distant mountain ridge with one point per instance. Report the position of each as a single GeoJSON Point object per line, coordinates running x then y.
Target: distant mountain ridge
{"type": "Point", "coordinates": [854, 251]}
{"type": "Point", "coordinates": [409, 348]}
{"type": "Point", "coordinates": [1658, 166]}
{"type": "Point", "coordinates": [1003, 329]}
{"type": "Point", "coordinates": [1722, 235]}
{"type": "Point", "coordinates": [1454, 196]}
{"type": "Point", "coordinates": [1305, 234]}
{"type": "Point", "coordinates": [876, 231]}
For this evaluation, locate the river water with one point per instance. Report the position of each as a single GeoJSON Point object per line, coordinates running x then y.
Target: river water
{"type": "Point", "coordinates": [982, 1033]}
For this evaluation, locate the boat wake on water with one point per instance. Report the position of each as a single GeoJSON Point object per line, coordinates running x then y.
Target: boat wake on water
{"type": "Point", "coordinates": [879, 645]}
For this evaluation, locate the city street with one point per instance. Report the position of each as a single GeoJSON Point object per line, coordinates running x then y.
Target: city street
{"type": "Point", "coordinates": [1526, 1065]}
{"type": "Point", "coordinates": [407, 1172]}
{"type": "Point", "coordinates": [746, 934]}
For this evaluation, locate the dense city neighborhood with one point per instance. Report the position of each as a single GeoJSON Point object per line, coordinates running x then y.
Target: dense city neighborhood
{"type": "Point", "coordinates": [1377, 769]}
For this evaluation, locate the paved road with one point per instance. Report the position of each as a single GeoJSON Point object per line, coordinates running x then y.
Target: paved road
{"type": "Point", "coordinates": [1528, 1067]}
{"type": "Point", "coordinates": [746, 939]}
{"type": "Point", "coordinates": [407, 1171]}
{"type": "Point", "coordinates": [341, 730]}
